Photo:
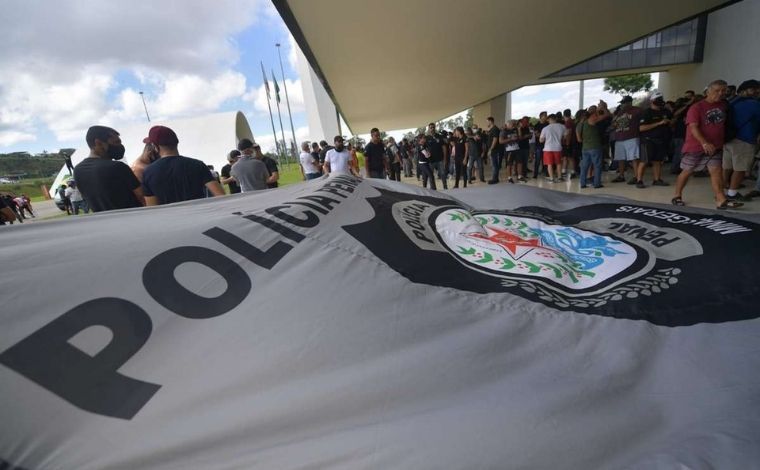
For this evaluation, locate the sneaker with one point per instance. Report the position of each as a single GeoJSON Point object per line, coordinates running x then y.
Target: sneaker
{"type": "Point", "coordinates": [482, 180]}
{"type": "Point", "coordinates": [660, 183]}
{"type": "Point", "coordinates": [583, 187]}
{"type": "Point", "coordinates": [619, 179]}
{"type": "Point", "coordinates": [522, 179]}
{"type": "Point", "coordinates": [511, 180]}
{"type": "Point", "coordinates": [753, 193]}
{"type": "Point", "coordinates": [633, 181]}
{"type": "Point", "coordinates": [550, 180]}
{"type": "Point", "coordinates": [600, 186]}
{"type": "Point", "coordinates": [739, 197]}
{"type": "Point", "coordinates": [640, 185]}
{"type": "Point", "coordinates": [493, 181]}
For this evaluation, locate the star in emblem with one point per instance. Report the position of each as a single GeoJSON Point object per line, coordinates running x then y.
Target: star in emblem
{"type": "Point", "coordinates": [509, 241]}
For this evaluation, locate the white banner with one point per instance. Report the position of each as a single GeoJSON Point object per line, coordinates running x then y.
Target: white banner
{"type": "Point", "coordinates": [346, 323]}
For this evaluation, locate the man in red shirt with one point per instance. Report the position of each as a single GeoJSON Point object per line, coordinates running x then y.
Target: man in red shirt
{"type": "Point", "coordinates": [703, 146]}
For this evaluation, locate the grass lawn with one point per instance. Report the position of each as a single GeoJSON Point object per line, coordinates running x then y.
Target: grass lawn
{"type": "Point", "coordinates": [31, 187]}
{"type": "Point", "coordinates": [290, 173]}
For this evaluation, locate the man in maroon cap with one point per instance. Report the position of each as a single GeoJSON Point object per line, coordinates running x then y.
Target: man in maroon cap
{"type": "Point", "coordinates": [174, 178]}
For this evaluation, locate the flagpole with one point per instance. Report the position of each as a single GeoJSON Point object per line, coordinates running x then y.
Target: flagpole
{"type": "Point", "coordinates": [269, 105]}
{"type": "Point", "coordinates": [287, 101]}
{"type": "Point", "coordinates": [279, 114]}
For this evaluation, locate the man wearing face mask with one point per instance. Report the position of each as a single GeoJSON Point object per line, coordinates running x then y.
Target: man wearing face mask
{"type": "Point", "coordinates": [107, 184]}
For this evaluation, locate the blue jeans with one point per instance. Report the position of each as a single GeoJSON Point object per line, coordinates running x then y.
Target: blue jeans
{"type": "Point", "coordinates": [472, 162]}
{"type": "Point", "coordinates": [440, 169]}
{"type": "Point", "coordinates": [424, 170]}
{"type": "Point", "coordinates": [538, 161]}
{"type": "Point", "coordinates": [677, 143]}
{"type": "Point", "coordinates": [495, 165]}
{"type": "Point", "coordinates": [591, 157]}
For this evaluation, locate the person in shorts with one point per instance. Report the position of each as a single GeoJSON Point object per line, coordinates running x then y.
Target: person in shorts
{"type": "Point", "coordinates": [552, 137]}
{"type": "Point", "coordinates": [626, 136]}
{"type": "Point", "coordinates": [739, 153]}
{"type": "Point", "coordinates": [705, 133]}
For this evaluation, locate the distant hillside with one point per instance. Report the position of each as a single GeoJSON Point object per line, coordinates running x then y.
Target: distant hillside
{"type": "Point", "coordinates": [31, 166]}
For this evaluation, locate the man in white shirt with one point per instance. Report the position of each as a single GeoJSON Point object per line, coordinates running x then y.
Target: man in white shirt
{"type": "Point", "coordinates": [552, 137]}
{"type": "Point", "coordinates": [77, 201]}
{"type": "Point", "coordinates": [338, 160]}
{"type": "Point", "coordinates": [309, 167]}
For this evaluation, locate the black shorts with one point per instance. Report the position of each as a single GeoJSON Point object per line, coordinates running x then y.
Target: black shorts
{"type": "Point", "coordinates": [652, 150]}
{"type": "Point", "coordinates": [511, 157]}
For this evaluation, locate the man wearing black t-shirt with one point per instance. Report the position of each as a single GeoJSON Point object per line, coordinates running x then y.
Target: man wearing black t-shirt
{"type": "Point", "coordinates": [325, 147]}
{"type": "Point", "coordinates": [375, 158]}
{"type": "Point", "coordinates": [495, 150]}
{"type": "Point", "coordinates": [104, 183]}
{"type": "Point", "coordinates": [232, 157]}
{"type": "Point", "coordinates": [271, 164]}
{"type": "Point", "coordinates": [174, 178]}
{"type": "Point", "coordinates": [654, 131]}
{"type": "Point", "coordinates": [439, 154]}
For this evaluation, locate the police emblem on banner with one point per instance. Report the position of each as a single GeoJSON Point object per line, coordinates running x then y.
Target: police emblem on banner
{"type": "Point", "coordinates": [624, 261]}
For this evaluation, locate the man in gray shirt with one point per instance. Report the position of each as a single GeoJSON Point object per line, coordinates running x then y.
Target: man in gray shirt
{"type": "Point", "coordinates": [250, 173]}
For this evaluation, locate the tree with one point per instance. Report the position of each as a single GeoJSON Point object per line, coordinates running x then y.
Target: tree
{"type": "Point", "coordinates": [468, 119]}
{"type": "Point", "coordinates": [357, 141]}
{"type": "Point", "coordinates": [628, 84]}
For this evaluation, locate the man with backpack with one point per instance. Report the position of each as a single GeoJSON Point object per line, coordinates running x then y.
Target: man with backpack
{"type": "Point", "coordinates": [742, 133]}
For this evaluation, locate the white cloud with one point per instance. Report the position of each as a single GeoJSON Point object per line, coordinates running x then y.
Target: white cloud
{"type": "Point", "coordinates": [292, 56]}
{"type": "Point", "coordinates": [64, 108]}
{"type": "Point", "coordinates": [61, 60]}
{"type": "Point", "coordinates": [191, 93]}
{"type": "Point", "coordinates": [258, 97]}
{"type": "Point", "coordinates": [8, 138]}
{"type": "Point", "coordinates": [165, 35]}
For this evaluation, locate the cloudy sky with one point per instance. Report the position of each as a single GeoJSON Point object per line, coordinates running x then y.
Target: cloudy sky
{"type": "Point", "coordinates": [69, 64]}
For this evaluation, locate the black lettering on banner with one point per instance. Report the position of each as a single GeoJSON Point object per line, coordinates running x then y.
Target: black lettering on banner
{"type": "Point", "coordinates": [266, 259]}
{"type": "Point", "coordinates": [310, 206]}
{"type": "Point", "coordinates": [311, 220]}
{"type": "Point", "coordinates": [277, 227]}
{"type": "Point", "coordinates": [162, 285]}
{"type": "Point", "coordinates": [91, 383]}
{"type": "Point", "coordinates": [325, 201]}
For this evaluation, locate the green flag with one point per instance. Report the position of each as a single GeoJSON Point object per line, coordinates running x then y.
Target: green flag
{"type": "Point", "coordinates": [276, 88]}
{"type": "Point", "coordinates": [266, 83]}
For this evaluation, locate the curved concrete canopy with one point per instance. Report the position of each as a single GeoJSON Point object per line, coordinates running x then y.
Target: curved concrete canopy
{"type": "Point", "coordinates": [402, 63]}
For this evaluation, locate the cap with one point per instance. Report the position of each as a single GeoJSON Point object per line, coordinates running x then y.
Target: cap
{"type": "Point", "coordinates": [626, 99]}
{"type": "Point", "coordinates": [161, 135]}
{"type": "Point", "coordinates": [748, 85]}
{"type": "Point", "coordinates": [657, 97]}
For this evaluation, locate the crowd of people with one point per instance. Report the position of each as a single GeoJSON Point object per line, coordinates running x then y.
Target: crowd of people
{"type": "Point", "coordinates": [713, 134]}
{"type": "Point", "coordinates": [14, 209]}
{"type": "Point", "coordinates": [160, 175]}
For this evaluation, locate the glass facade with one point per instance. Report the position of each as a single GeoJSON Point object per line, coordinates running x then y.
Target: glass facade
{"type": "Point", "coordinates": [677, 44]}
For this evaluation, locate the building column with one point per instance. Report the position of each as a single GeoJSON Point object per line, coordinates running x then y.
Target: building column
{"type": "Point", "coordinates": [500, 108]}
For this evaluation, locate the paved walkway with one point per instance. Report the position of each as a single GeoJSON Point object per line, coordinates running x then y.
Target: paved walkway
{"type": "Point", "coordinates": [697, 193]}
